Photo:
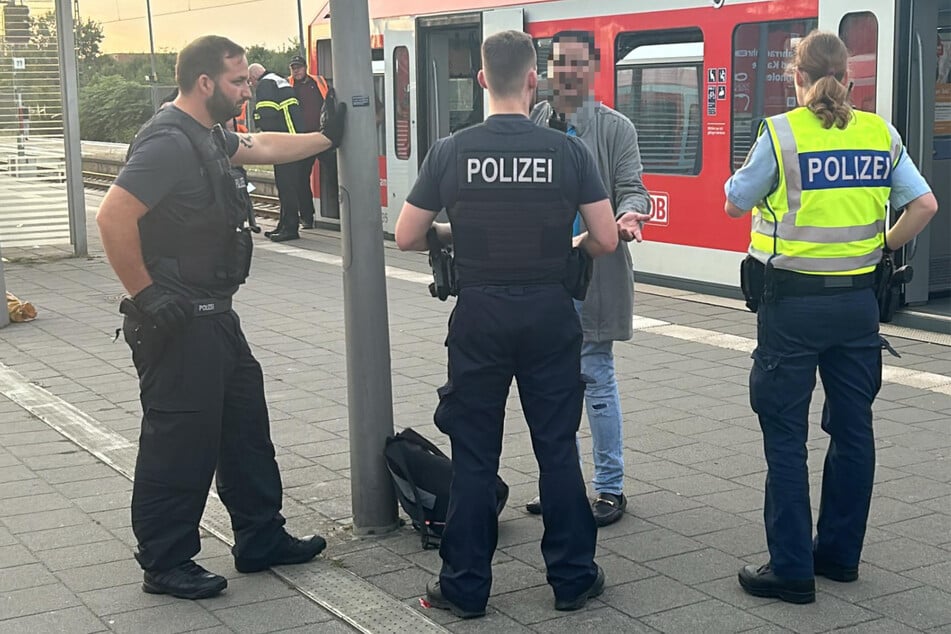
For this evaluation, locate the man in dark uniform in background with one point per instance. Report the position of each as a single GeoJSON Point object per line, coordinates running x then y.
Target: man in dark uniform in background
{"type": "Point", "coordinates": [175, 227]}
{"type": "Point", "coordinates": [276, 109]}
{"type": "Point", "coordinates": [310, 92]}
{"type": "Point", "coordinates": [511, 190]}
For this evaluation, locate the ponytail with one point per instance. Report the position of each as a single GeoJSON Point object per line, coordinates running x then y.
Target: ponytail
{"type": "Point", "coordinates": [823, 58]}
{"type": "Point", "coordinates": [828, 99]}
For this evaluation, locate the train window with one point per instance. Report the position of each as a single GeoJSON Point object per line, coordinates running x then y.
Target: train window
{"type": "Point", "coordinates": [543, 52]}
{"type": "Point", "coordinates": [402, 137]}
{"type": "Point", "coordinates": [762, 85]}
{"type": "Point", "coordinates": [658, 78]}
{"type": "Point", "coordinates": [859, 31]}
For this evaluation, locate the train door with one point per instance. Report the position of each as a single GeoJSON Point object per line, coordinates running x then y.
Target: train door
{"type": "Point", "coordinates": [896, 73]}
{"type": "Point", "coordinates": [399, 72]}
{"type": "Point", "coordinates": [449, 61]}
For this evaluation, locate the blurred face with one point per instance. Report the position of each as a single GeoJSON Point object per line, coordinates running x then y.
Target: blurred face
{"type": "Point", "coordinates": [230, 91]}
{"type": "Point", "coordinates": [298, 71]}
{"type": "Point", "coordinates": [571, 70]}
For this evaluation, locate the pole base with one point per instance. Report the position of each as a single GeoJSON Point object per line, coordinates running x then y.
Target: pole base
{"type": "Point", "coordinates": [375, 531]}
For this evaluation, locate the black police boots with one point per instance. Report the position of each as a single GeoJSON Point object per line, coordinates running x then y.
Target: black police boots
{"type": "Point", "coordinates": [284, 236]}
{"type": "Point", "coordinates": [186, 581]}
{"type": "Point", "coordinates": [576, 603]}
{"type": "Point", "coordinates": [290, 551]}
{"type": "Point", "coordinates": [437, 600]}
{"type": "Point", "coordinates": [762, 582]}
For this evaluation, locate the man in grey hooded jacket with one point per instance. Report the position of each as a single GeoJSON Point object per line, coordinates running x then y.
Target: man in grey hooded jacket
{"type": "Point", "coordinates": [607, 311]}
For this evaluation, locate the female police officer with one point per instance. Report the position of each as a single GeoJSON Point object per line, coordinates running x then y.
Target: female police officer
{"type": "Point", "coordinates": [511, 190]}
{"type": "Point", "coordinates": [818, 181]}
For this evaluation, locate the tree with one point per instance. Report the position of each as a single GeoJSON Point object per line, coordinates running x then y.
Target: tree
{"type": "Point", "coordinates": [113, 108]}
{"type": "Point", "coordinates": [274, 60]}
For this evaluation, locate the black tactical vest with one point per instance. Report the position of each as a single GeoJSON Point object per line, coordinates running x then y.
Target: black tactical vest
{"type": "Point", "coordinates": [213, 249]}
{"type": "Point", "coordinates": [511, 222]}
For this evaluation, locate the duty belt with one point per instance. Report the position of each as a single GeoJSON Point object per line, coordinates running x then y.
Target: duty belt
{"type": "Point", "coordinates": [206, 307]}
{"type": "Point", "coordinates": [791, 283]}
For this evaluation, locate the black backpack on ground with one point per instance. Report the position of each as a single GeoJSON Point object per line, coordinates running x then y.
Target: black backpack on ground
{"type": "Point", "coordinates": [421, 476]}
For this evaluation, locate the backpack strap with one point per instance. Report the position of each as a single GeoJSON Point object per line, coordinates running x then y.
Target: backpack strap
{"type": "Point", "coordinates": [427, 536]}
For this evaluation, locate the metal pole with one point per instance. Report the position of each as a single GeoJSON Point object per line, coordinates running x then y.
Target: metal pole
{"type": "Point", "coordinates": [4, 314]}
{"type": "Point", "coordinates": [148, 13]}
{"type": "Point", "coordinates": [369, 388]}
{"type": "Point", "coordinates": [302, 45]}
{"type": "Point", "coordinates": [69, 87]}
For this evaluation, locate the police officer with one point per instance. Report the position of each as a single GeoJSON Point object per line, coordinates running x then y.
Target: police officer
{"type": "Point", "coordinates": [818, 181]}
{"type": "Point", "coordinates": [511, 190]}
{"type": "Point", "coordinates": [175, 227]}
{"type": "Point", "coordinates": [276, 109]}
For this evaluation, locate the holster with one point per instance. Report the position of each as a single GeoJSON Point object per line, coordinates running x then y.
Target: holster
{"type": "Point", "coordinates": [888, 282]}
{"type": "Point", "coordinates": [752, 281]}
{"type": "Point", "coordinates": [444, 269]}
{"type": "Point", "coordinates": [578, 273]}
{"type": "Point", "coordinates": [147, 342]}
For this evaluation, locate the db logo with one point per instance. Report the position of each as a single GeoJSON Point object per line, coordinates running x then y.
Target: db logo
{"type": "Point", "coordinates": [660, 206]}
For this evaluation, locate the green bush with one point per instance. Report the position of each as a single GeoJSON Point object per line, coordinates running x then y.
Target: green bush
{"type": "Point", "coordinates": [112, 108]}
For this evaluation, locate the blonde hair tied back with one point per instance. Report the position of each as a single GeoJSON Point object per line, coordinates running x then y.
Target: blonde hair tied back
{"type": "Point", "coordinates": [824, 59]}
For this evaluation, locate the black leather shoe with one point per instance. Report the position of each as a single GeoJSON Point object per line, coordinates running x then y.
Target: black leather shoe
{"type": "Point", "coordinates": [186, 581]}
{"type": "Point", "coordinates": [535, 506]}
{"type": "Point", "coordinates": [829, 570]}
{"type": "Point", "coordinates": [290, 551]}
{"type": "Point", "coordinates": [608, 508]}
{"type": "Point", "coordinates": [762, 582]}
{"type": "Point", "coordinates": [284, 236]}
{"type": "Point", "coordinates": [576, 603]}
{"type": "Point", "coordinates": [434, 598]}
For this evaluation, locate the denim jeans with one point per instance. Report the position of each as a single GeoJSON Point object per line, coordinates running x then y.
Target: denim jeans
{"type": "Point", "coordinates": [603, 405]}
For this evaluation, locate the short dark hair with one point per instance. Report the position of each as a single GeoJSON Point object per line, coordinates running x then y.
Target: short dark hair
{"type": "Point", "coordinates": [506, 58]}
{"type": "Point", "coordinates": [582, 37]}
{"type": "Point", "coordinates": [204, 56]}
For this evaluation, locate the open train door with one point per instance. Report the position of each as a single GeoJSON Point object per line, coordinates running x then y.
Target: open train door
{"type": "Point", "coordinates": [893, 67]}
{"type": "Point", "coordinates": [399, 57]}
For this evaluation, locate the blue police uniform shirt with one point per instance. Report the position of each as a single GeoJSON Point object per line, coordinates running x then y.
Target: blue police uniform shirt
{"type": "Point", "coordinates": [759, 177]}
{"type": "Point", "coordinates": [437, 181]}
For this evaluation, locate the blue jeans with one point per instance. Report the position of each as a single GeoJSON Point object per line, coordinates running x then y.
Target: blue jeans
{"type": "Point", "coordinates": [603, 405]}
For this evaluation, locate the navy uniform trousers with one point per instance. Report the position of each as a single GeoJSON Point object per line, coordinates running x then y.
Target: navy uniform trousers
{"type": "Point", "coordinates": [204, 415]}
{"type": "Point", "coordinates": [837, 333]}
{"type": "Point", "coordinates": [531, 333]}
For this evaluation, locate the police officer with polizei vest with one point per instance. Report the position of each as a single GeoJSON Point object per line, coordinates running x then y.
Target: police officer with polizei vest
{"type": "Point", "coordinates": [818, 181]}
{"type": "Point", "coordinates": [277, 109]}
{"type": "Point", "coordinates": [176, 227]}
{"type": "Point", "coordinates": [511, 190]}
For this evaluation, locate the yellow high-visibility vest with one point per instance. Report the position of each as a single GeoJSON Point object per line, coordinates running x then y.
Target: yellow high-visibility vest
{"type": "Point", "coordinates": [827, 215]}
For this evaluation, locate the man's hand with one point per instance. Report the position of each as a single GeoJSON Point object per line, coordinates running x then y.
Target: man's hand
{"type": "Point", "coordinates": [332, 119]}
{"type": "Point", "coordinates": [630, 225]}
{"type": "Point", "coordinates": [159, 306]}
{"type": "Point", "coordinates": [557, 121]}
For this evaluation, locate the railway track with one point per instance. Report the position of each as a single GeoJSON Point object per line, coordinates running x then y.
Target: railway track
{"type": "Point", "coordinates": [264, 205]}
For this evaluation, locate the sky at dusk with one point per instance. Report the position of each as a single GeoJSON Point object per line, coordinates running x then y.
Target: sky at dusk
{"type": "Point", "coordinates": [176, 22]}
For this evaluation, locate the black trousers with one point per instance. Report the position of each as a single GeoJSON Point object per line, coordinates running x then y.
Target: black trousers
{"type": "Point", "coordinates": [305, 196]}
{"type": "Point", "coordinates": [204, 414]}
{"type": "Point", "coordinates": [531, 333]}
{"type": "Point", "coordinates": [286, 179]}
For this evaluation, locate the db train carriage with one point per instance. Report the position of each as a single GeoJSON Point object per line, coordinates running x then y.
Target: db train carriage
{"type": "Point", "coordinates": [696, 77]}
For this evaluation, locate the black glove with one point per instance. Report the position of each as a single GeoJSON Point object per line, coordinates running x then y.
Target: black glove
{"type": "Point", "coordinates": [332, 118]}
{"type": "Point", "coordinates": [161, 308]}
{"type": "Point", "coordinates": [557, 121]}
